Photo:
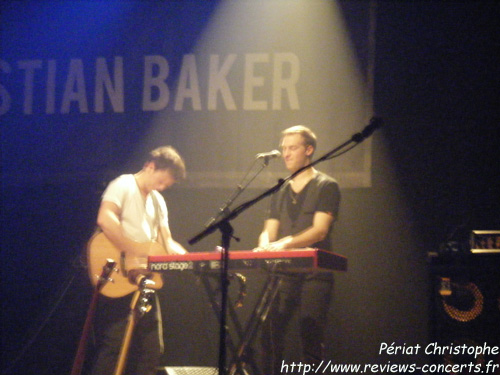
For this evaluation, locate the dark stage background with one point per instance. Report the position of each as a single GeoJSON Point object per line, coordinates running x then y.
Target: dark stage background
{"type": "Point", "coordinates": [433, 175]}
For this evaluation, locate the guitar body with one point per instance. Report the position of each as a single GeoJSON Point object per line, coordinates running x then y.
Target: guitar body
{"type": "Point", "coordinates": [100, 249]}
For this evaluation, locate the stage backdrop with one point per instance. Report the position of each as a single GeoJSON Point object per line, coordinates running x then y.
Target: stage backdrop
{"type": "Point", "coordinates": [87, 87]}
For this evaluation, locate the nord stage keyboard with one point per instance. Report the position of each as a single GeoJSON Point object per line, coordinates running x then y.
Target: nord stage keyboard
{"type": "Point", "coordinates": [293, 260]}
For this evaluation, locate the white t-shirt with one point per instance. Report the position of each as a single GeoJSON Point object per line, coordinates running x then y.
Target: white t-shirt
{"type": "Point", "coordinates": [138, 216]}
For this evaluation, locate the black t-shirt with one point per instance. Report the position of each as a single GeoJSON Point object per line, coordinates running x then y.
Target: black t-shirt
{"type": "Point", "coordinates": [296, 211]}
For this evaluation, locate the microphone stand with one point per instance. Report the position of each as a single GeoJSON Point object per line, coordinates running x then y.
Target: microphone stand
{"type": "Point", "coordinates": [227, 231]}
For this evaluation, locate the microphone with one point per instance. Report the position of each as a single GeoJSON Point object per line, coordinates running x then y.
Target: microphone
{"type": "Point", "coordinates": [268, 155]}
{"type": "Point", "coordinates": [375, 123]}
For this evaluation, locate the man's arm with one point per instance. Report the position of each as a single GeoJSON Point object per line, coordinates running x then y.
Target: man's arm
{"type": "Point", "coordinates": [171, 246]}
{"type": "Point", "coordinates": [315, 233]}
{"type": "Point", "coordinates": [108, 219]}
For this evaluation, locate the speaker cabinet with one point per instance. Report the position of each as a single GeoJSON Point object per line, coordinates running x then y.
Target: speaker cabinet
{"type": "Point", "coordinates": [465, 311]}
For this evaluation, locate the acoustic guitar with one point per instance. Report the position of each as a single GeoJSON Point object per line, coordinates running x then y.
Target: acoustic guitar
{"type": "Point", "coordinates": [100, 249]}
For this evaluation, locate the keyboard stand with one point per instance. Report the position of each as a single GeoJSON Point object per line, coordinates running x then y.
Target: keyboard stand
{"type": "Point", "coordinates": [242, 360]}
{"type": "Point", "coordinates": [258, 317]}
{"type": "Point", "coordinates": [211, 293]}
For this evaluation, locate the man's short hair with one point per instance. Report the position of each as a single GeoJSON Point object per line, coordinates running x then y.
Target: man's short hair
{"type": "Point", "coordinates": [304, 131]}
{"type": "Point", "coordinates": [166, 157]}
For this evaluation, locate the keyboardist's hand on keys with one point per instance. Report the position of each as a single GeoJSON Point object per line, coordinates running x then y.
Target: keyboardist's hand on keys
{"type": "Point", "coordinates": [279, 245]}
{"type": "Point", "coordinates": [272, 246]}
{"type": "Point", "coordinates": [268, 247]}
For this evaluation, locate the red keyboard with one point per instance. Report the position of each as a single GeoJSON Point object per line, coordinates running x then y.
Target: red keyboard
{"type": "Point", "coordinates": [293, 260]}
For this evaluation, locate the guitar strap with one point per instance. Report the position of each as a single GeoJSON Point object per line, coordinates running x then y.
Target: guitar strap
{"type": "Point", "coordinates": [157, 221]}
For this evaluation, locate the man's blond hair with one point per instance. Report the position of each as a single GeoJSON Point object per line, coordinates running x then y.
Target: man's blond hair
{"type": "Point", "coordinates": [305, 132]}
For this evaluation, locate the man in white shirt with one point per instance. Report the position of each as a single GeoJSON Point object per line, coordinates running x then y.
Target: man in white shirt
{"type": "Point", "coordinates": [133, 211]}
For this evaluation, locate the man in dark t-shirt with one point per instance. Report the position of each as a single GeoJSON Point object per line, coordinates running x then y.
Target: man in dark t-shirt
{"type": "Point", "coordinates": [301, 215]}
